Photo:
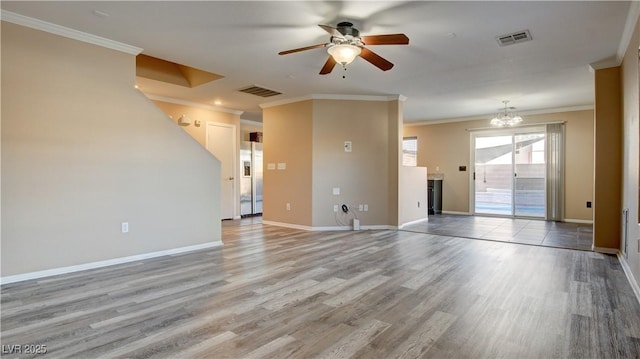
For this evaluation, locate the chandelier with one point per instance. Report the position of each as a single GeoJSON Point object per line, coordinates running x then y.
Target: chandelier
{"type": "Point", "coordinates": [506, 118]}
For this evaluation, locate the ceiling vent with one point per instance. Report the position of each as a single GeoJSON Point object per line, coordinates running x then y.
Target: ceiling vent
{"type": "Point", "coordinates": [260, 91]}
{"type": "Point", "coordinates": [514, 38]}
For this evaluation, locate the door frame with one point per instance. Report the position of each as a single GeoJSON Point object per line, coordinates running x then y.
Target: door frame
{"type": "Point", "coordinates": [486, 132]}
{"type": "Point", "coordinates": [234, 164]}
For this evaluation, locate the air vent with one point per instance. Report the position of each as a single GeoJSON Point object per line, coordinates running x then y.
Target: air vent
{"type": "Point", "coordinates": [260, 91]}
{"type": "Point", "coordinates": [514, 38]}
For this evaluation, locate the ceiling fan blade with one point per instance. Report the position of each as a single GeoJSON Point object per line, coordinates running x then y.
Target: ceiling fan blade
{"type": "Point", "coordinates": [393, 39]}
{"type": "Point", "coordinates": [328, 66]}
{"type": "Point", "coordinates": [331, 30]}
{"type": "Point", "coordinates": [375, 59]}
{"type": "Point", "coordinates": [302, 49]}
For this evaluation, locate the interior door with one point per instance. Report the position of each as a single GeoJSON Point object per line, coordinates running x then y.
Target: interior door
{"type": "Point", "coordinates": [221, 142]}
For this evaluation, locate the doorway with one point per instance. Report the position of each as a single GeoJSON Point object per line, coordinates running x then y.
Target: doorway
{"type": "Point", "coordinates": [509, 177]}
{"type": "Point", "coordinates": [221, 142]}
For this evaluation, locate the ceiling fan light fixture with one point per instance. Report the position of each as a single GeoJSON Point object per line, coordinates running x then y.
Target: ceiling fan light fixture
{"type": "Point", "coordinates": [344, 53]}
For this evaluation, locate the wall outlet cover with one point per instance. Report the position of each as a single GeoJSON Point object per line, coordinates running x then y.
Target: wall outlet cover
{"type": "Point", "coordinates": [348, 146]}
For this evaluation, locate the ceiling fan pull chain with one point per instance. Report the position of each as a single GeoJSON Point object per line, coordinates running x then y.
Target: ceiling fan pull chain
{"type": "Point", "coordinates": [344, 75]}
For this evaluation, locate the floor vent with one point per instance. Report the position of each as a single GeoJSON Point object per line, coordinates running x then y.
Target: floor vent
{"type": "Point", "coordinates": [260, 91]}
{"type": "Point", "coordinates": [514, 38]}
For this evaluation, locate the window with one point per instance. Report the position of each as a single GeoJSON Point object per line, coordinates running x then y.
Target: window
{"type": "Point", "coordinates": [410, 151]}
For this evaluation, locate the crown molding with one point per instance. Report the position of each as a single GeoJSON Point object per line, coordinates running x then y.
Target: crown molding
{"type": "Point", "coordinates": [488, 116]}
{"type": "Point", "coordinates": [630, 24]}
{"type": "Point", "coordinates": [192, 104]}
{"type": "Point", "coordinates": [627, 34]}
{"type": "Point", "coordinates": [251, 123]}
{"type": "Point", "coordinates": [36, 24]}
{"type": "Point", "coordinates": [335, 97]}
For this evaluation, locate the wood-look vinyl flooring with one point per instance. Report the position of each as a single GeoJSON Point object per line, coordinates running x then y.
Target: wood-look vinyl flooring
{"type": "Point", "coordinates": [272, 292]}
{"type": "Point", "coordinates": [517, 230]}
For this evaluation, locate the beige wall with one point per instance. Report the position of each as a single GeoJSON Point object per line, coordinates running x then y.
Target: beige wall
{"type": "Point", "coordinates": [394, 155]}
{"type": "Point", "coordinates": [413, 194]}
{"type": "Point", "coordinates": [608, 159]}
{"type": "Point", "coordinates": [287, 139]}
{"type": "Point", "coordinates": [309, 137]}
{"type": "Point", "coordinates": [631, 115]}
{"type": "Point", "coordinates": [199, 133]}
{"type": "Point", "coordinates": [443, 147]}
{"type": "Point", "coordinates": [361, 175]}
{"type": "Point", "coordinates": [83, 151]}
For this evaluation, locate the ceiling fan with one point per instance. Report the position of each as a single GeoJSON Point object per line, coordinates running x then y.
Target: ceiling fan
{"type": "Point", "coordinates": [346, 43]}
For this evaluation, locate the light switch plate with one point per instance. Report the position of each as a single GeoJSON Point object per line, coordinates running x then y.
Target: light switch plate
{"type": "Point", "coordinates": [336, 191]}
{"type": "Point", "coordinates": [347, 146]}
{"type": "Point", "coordinates": [282, 166]}
{"type": "Point", "coordinates": [271, 166]}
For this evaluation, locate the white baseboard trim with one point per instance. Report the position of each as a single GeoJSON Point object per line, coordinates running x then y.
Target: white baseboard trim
{"type": "Point", "coordinates": [287, 225]}
{"type": "Point", "coordinates": [632, 280]}
{"type": "Point", "coordinates": [334, 228]}
{"type": "Point", "coordinates": [380, 227]}
{"type": "Point", "coordinates": [581, 221]}
{"type": "Point", "coordinates": [329, 228]}
{"type": "Point", "coordinates": [413, 222]}
{"type": "Point", "coordinates": [457, 213]}
{"type": "Point", "coordinates": [104, 263]}
{"type": "Point", "coordinates": [605, 250]}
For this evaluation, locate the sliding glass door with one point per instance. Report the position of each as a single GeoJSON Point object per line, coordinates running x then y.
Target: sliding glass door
{"type": "Point", "coordinates": [530, 174]}
{"type": "Point", "coordinates": [493, 172]}
{"type": "Point", "coordinates": [510, 173]}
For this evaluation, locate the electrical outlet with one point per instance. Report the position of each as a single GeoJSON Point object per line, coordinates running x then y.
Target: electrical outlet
{"type": "Point", "coordinates": [124, 227]}
{"type": "Point", "coordinates": [588, 204]}
{"type": "Point", "coordinates": [366, 207]}
{"type": "Point", "coordinates": [360, 208]}
{"type": "Point", "coordinates": [336, 191]}
{"type": "Point", "coordinates": [288, 206]}
{"type": "Point", "coordinates": [335, 208]}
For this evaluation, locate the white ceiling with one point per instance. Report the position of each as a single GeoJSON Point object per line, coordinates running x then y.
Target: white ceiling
{"type": "Point", "coordinates": [452, 67]}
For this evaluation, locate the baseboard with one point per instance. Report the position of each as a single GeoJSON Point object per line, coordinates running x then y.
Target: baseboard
{"type": "Point", "coordinates": [580, 221]}
{"type": "Point", "coordinates": [287, 225]}
{"type": "Point", "coordinates": [380, 227]}
{"type": "Point", "coordinates": [413, 222]}
{"type": "Point", "coordinates": [329, 228]}
{"type": "Point", "coordinates": [627, 271]}
{"type": "Point", "coordinates": [605, 250]}
{"type": "Point", "coordinates": [457, 213]}
{"type": "Point", "coordinates": [105, 263]}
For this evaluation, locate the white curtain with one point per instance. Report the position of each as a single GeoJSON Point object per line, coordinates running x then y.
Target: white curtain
{"type": "Point", "coordinates": [555, 171]}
